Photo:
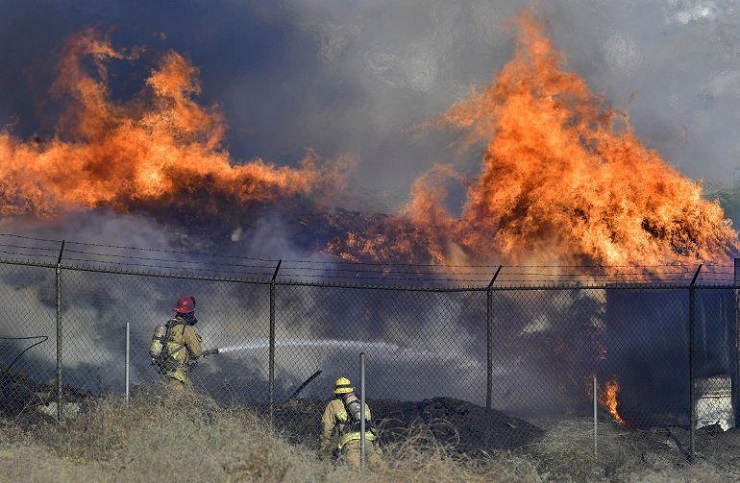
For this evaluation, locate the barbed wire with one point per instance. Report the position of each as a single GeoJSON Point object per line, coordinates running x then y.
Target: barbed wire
{"type": "Point", "coordinates": [29, 250]}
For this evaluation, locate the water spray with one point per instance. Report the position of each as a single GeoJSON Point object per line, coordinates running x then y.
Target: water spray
{"type": "Point", "coordinates": [264, 343]}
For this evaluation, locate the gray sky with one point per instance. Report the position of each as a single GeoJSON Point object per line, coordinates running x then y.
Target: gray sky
{"type": "Point", "coordinates": [351, 77]}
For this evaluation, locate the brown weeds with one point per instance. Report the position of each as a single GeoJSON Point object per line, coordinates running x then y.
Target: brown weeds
{"type": "Point", "coordinates": [187, 437]}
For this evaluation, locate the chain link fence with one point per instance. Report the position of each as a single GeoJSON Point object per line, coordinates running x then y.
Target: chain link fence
{"type": "Point", "coordinates": [659, 355]}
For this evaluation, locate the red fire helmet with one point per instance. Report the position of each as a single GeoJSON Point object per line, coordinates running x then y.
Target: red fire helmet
{"type": "Point", "coordinates": [185, 305]}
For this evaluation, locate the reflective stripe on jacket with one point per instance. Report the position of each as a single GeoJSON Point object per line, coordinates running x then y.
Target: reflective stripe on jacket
{"type": "Point", "coordinates": [353, 436]}
{"type": "Point", "coordinates": [335, 421]}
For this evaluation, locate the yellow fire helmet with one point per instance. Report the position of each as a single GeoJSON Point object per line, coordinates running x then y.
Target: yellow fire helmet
{"type": "Point", "coordinates": [343, 386]}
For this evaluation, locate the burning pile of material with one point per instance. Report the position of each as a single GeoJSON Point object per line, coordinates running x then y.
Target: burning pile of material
{"type": "Point", "coordinates": [564, 181]}
{"type": "Point", "coordinates": [161, 148]}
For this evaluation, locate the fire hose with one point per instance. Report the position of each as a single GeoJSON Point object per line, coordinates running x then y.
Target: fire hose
{"type": "Point", "coordinates": [190, 363]}
{"type": "Point", "coordinates": [305, 383]}
{"type": "Point", "coordinates": [208, 352]}
{"type": "Point", "coordinates": [300, 388]}
{"type": "Point", "coordinates": [43, 338]}
{"type": "Point", "coordinates": [217, 350]}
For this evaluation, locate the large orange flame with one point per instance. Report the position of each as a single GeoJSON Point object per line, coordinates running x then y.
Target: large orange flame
{"type": "Point", "coordinates": [160, 146]}
{"type": "Point", "coordinates": [564, 180]}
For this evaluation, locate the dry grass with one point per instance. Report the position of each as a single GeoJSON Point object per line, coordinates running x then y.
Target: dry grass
{"type": "Point", "coordinates": [567, 454]}
{"type": "Point", "coordinates": [419, 456]}
{"type": "Point", "coordinates": [160, 435]}
{"type": "Point", "coordinates": [190, 438]}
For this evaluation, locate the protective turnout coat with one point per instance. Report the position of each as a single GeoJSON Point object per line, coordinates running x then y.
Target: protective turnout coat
{"type": "Point", "coordinates": [184, 345]}
{"type": "Point", "coordinates": [336, 423]}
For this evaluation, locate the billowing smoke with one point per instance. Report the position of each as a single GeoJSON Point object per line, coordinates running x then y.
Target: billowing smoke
{"type": "Point", "coordinates": [311, 131]}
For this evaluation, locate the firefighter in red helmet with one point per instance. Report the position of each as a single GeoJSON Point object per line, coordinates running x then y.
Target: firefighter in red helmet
{"type": "Point", "coordinates": [176, 345]}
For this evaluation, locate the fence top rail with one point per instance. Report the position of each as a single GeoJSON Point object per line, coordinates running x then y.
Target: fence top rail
{"type": "Point", "coordinates": [510, 285]}
{"type": "Point", "coordinates": [222, 265]}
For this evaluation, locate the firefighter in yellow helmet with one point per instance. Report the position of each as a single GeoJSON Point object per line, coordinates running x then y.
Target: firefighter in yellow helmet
{"type": "Point", "coordinates": [342, 420]}
{"type": "Point", "coordinates": [176, 345]}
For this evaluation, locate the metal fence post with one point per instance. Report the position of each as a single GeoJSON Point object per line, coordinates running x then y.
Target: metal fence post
{"type": "Point", "coordinates": [736, 354]}
{"type": "Point", "coordinates": [596, 420]}
{"type": "Point", "coordinates": [362, 408]}
{"type": "Point", "coordinates": [128, 359]}
{"type": "Point", "coordinates": [59, 331]}
{"type": "Point", "coordinates": [489, 339]}
{"type": "Point", "coordinates": [692, 330]}
{"type": "Point", "coordinates": [271, 364]}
